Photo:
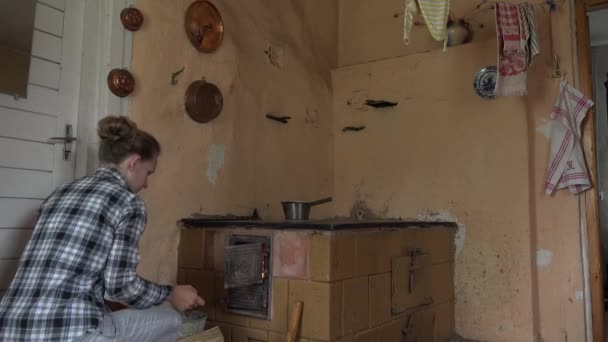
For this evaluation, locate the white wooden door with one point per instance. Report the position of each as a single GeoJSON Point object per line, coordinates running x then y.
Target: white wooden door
{"type": "Point", "coordinates": [31, 166]}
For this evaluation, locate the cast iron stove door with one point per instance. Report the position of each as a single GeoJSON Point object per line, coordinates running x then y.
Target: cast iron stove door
{"type": "Point", "coordinates": [246, 274]}
{"type": "Point", "coordinates": [243, 265]}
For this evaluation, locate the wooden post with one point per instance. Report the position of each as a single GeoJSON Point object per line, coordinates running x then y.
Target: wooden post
{"type": "Point", "coordinates": [588, 139]}
{"type": "Point", "coordinates": [294, 323]}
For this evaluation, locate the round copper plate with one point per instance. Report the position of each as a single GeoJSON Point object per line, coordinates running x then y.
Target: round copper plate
{"type": "Point", "coordinates": [131, 18]}
{"type": "Point", "coordinates": [204, 26]}
{"type": "Point", "coordinates": [204, 101]}
{"type": "Point", "coordinates": [121, 82]}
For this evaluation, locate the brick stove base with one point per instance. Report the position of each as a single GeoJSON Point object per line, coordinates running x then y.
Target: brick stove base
{"type": "Point", "coordinates": [345, 279]}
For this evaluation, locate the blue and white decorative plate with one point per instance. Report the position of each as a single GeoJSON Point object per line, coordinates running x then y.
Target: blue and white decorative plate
{"type": "Point", "coordinates": [485, 82]}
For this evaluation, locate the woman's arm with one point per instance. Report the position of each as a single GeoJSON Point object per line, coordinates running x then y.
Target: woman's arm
{"type": "Point", "coordinates": [121, 280]}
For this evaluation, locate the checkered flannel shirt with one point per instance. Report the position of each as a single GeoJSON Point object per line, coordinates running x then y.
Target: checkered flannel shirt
{"type": "Point", "coordinates": [84, 245]}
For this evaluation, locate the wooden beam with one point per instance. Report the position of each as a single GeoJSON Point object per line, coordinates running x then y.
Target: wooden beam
{"type": "Point", "coordinates": [595, 5]}
{"type": "Point", "coordinates": [595, 2]}
{"type": "Point", "coordinates": [588, 140]}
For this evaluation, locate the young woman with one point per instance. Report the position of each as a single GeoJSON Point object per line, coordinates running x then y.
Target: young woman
{"type": "Point", "coordinates": [85, 246]}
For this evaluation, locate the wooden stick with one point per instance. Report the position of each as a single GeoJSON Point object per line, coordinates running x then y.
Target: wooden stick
{"type": "Point", "coordinates": [294, 323]}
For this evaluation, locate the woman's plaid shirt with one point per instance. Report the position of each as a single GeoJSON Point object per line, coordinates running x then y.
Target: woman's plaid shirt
{"type": "Point", "coordinates": [85, 244]}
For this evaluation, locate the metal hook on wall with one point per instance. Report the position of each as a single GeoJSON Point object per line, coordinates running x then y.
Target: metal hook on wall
{"type": "Point", "coordinates": [281, 119]}
{"type": "Point", "coordinates": [353, 128]}
{"type": "Point", "coordinates": [557, 72]}
{"type": "Point", "coordinates": [175, 74]}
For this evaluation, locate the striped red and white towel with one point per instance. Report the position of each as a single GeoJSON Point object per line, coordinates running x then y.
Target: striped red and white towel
{"type": "Point", "coordinates": [507, 17]}
{"type": "Point", "coordinates": [511, 38]}
{"type": "Point", "coordinates": [567, 167]}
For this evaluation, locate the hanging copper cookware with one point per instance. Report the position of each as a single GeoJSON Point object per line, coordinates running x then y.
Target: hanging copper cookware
{"type": "Point", "coordinates": [204, 26]}
{"type": "Point", "coordinates": [204, 101]}
{"type": "Point", "coordinates": [131, 18]}
{"type": "Point", "coordinates": [121, 82]}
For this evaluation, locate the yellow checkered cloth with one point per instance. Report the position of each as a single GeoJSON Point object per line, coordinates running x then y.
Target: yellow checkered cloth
{"type": "Point", "coordinates": [435, 13]}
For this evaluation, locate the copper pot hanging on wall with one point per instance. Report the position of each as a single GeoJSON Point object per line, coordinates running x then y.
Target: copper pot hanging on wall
{"type": "Point", "coordinates": [121, 82]}
{"type": "Point", "coordinates": [204, 26]}
{"type": "Point", "coordinates": [204, 101]}
{"type": "Point", "coordinates": [131, 18]}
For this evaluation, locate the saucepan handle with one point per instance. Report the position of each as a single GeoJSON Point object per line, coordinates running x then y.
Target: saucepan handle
{"type": "Point", "coordinates": [321, 201]}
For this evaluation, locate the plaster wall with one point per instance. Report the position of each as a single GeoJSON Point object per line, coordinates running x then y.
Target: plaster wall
{"type": "Point", "coordinates": [554, 220]}
{"type": "Point", "coordinates": [442, 153]}
{"type": "Point", "coordinates": [241, 160]}
{"type": "Point", "coordinates": [445, 153]}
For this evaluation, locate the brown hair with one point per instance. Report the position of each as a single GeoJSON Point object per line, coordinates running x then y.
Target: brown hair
{"type": "Point", "coordinates": [121, 138]}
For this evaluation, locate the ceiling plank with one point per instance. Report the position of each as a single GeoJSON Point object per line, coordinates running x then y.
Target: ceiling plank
{"type": "Point", "coordinates": [593, 3]}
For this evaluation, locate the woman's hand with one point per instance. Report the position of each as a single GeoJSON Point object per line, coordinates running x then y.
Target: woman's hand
{"type": "Point", "coordinates": [184, 297]}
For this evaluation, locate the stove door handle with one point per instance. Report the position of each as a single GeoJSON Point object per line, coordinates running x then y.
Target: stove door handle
{"type": "Point", "coordinates": [263, 267]}
{"type": "Point", "coordinates": [264, 255]}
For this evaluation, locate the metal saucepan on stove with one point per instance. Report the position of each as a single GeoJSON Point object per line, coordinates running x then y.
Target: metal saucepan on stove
{"type": "Point", "coordinates": [298, 210]}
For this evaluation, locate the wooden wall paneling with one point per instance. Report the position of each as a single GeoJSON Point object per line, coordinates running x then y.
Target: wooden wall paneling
{"type": "Point", "coordinates": [588, 139]}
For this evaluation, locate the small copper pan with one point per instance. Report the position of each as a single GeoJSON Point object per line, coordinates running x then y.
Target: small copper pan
{"type": "Point", "coordinates": [204, 101]}
{"type": "Point", "coordinates": [204, 26]}
{"type": "Point", "coordinates": [121, 82]}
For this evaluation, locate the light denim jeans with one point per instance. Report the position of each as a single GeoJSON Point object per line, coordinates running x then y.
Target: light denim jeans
{"type": "Point", "coordinates": [156, 324]}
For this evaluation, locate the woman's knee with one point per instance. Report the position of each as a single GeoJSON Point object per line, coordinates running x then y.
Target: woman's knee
{"type": "Point", "coordinates": [168, 322]}
{"type": "Point", "coordinates": [172, 318]}
{"type": "Point", "coordinates": [176, 318]}
{"type": "Point", "coordinates": [159, 319]}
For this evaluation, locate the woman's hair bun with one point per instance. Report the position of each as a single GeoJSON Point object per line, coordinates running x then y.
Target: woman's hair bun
{"type": "Point", "coordinates": [114, 128]}
{"type": "Point", "coordinates": [120, 138]}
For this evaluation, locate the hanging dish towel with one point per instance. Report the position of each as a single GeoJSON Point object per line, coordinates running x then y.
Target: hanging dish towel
{"type": "Point", "coordinates": [524, 31]}
{"type": "Point", "coordinates": [532, 47]}
{"type": "Point", "coordinates": [435, 13]}
{"type": "Point", "coordinates": [512, 56]}
{"type": "Point", "coordinates": [566, 160]}
{"type": "Point", "coordinates": [408, 19]}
